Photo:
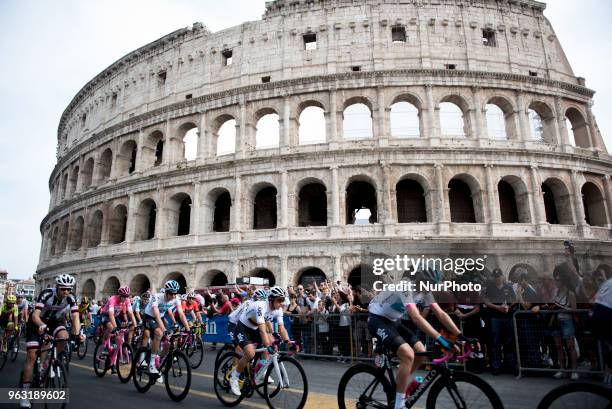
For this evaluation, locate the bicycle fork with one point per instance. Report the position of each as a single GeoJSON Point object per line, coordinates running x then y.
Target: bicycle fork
{"type": "Point", "coordinates": [281, 373]}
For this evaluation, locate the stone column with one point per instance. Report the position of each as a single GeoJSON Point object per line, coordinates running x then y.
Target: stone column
{"type": "Point", "coordinates": [168, 155]}
{"type": "Point", "coordinates": [140, 165]}
{"type": "Point", "coordinates": [86, 221]}
{"type": "Point", "coordinates": [337, 268]}
{"type": "Point", "coordinates": [432, 118]}
{"type": "Point", "coordinates": [130, 229]}
{"type": "Point", "coordinates": [380, 126]}
{"type": "Point", "coordinates": [284, 272]}
{"type": "Point", "coordinates": [387, 213]}
{"type": "Point", "coordinates": [442, 214]}
{"type": "Point", "coordinates": [241, 131]}
{"type": "Point", "coordinates": [333, 119]}
{"type": "Point", "coordinates": [561, 130]}
{"type": "Point", "coordinates": [524, 133]}
{"type": "Point", "coordinates": [592, 129]}
{"type": "Point", "coordinates": [202, 138]}
{"type": "Point", "coordinates": [334, 229]}
{"type": "Point", "coordinates": [286, 142]}
{"type": "Point", "coordinates": [578, 206]}
{"type": "Point", "coordinates": [160, 221]}
{"type": "Point", "coordinates": [284, 191]}
{"type": "Point", "coordinates": [236, 219]}
{"type": "Point", "coordinates": [194, 225]}
{"type": "Point", "coordinates": [539, 212]}
{"type": "Point", "coordinates": [492, 195]}
{"type": "Point", "coordinates": [608, 196]}
{"type": "Point", "coordinates": [479, 130]}
{"type": "Point", "coordinates": [235, 271]}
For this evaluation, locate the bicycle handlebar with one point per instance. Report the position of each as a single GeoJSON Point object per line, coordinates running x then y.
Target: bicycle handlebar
{"type": "Point", "coordinates": [449, 354]}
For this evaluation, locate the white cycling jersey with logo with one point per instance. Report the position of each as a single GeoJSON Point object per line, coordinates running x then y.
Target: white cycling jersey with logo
{"type": "Point", "coordinates": [159, 300]}
{"type": "Point", "coordinates": [234, 317]}
{"type": "Point", "coordinates": [258, 313]}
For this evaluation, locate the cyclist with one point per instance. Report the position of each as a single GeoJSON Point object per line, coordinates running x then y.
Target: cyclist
{"type": "Point", "coordinates": [191, 306]}
{"type": "Point", "coordinates": [385, 311]}
{"type": "Point", "coordinates": [9, 316]}
{"type": "Point", "coordinates": [252, 329]}
{"type": "Point", "coordinates": [138, 305]}
{"type": "Point", "coordinates": [85, 312]}
{"type": "Point", "coordinates": [259, 295]}
{"type": "Point", "coordinates": [115, 311]}
{"type": "Point", "coordinates": [23, 308]}
{"type": "Point", "coordinates": [49, 315]}
{"type": "Point", "coordinates": [152, 319]}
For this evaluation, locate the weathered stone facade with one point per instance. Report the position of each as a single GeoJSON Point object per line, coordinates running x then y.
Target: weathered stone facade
{"type": "Point", "coordinates": [119, 196]}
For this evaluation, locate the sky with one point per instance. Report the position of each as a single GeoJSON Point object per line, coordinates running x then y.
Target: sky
{"type": "Point", "coordinates": [50, 49]}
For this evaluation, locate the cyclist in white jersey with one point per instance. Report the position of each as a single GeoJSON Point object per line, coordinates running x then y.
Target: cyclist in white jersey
{"type": "Point", "coordinates": [234, 317]}
{"type": "Point", "coordinates": [252, 329]}
{"type": "Point", "coordinates": [152, 319]}
{"type": "Point", "coordinates": [385, 311]}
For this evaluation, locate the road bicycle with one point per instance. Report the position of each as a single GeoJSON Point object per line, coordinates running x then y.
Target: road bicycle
{"type": "Point", "coordinates": [174, 367]}
{"type": "Point", "coordinates": [49, 373]}
{"type": "Point", "coordinates": [114, 354]}
{"type": "Point", "coordinates": [288, 389]}
{"type": "Point", "coordinates": [373, 386]}
{"type": "Point", "coordinates": [578, 395]}
{"type": "Point", "coordinates": [74, 345]}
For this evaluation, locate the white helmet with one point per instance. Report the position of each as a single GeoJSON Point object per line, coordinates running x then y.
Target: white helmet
{"type": "Point", "coordinates": [65, 280]}
{"type": "Point", "coordinates": [276, 292]}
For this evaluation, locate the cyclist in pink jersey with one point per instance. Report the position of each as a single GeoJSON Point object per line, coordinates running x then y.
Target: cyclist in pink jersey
{"type": "Point", "coordinates": [117, 311]}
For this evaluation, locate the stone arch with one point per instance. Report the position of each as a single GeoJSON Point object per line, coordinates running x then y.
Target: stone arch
{"type": "Point", "coordinates": [111, 285]}
{"type": "Point", "coordinates": [356, 276]}
{"type": "Point", "coordinates": [87, 173]}
{"type": "Point", "coordinates": [213, 278]}
{"type": "Point", "coordinates": [188, 136]}
{"type": "Point", "coordinates": [94, 230]}
{"type": "Point", "coordinates": [578, 131]}
{"type": "Point", "coordinates": [465, 199]}
{"type": "Point", "coordinates": [76, 235]}
{"type": "Point", "coordinates": [405, 116]}
{"type": "Point", "coordinates": [224, 134]}
{"type": "Point", "coordinates": [63, 238]}
{"type": "Point", "coordinates": [220, 201]}
{"type": "Point", "coordinates": [308, 274]}
{"type": "Point", "coordinates": [410, 200]}
{"type": "Point", "coordinates": [89, 289]}
{"type": "Point", "coordinates": [357, 119]}
{"type": "Point", "coordinates": [264, 197]}
{"type": "Point", "coordinates": [178, 277]}
{"type": "Point", "coordinates": [146, 220]}
{"type": "Point", "coordinates": [73, 181]}
{"type": "Point", "coordinates": [541, 121]}
{"type": "Point", "coordinates": [312, 126]}
{"type": "Point", "coordinates": [361, 197]}
{"type": "Point", "coordinates": [594, 205]}
{"type": "Point", "coordinates": [53, 241]}
{"type": "Point", "coordinates": [454, 116]}
{"type": "Point", "coordinates": [139, 284]}
{"type": "Point", "coordinates": [65, 192]}
{"type": "Point", "coordinates": [126, 159]}
{"type": "Point", "coordinates": [153, 149]}
{"type": "Point", "coordinates": [117, 224]}
{"type": "Point", "coordinates": [557, 202]}
{"type": "Point", "coordinates": [264, 273]}
{"type": "Point", "coordinates": [500, 118]}
{"type": "Point", "coordinates": [311, 203]}
{"type": "Point", "coordinates": [105, 165]}
{"type": "Point", "coordinates": [178, 215]}
{"type": "Point", "coordinates": [513, 199]}
{"type": "Point", "coordinates": [267, 129]}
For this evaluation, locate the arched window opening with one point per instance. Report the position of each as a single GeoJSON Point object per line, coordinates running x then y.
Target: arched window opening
{"type": "Point", "coordinates": [557, 202]}
{"type": "Point", "coordinates": [451, 120]}
{"type": "Point", "coordinates": [147, 217]}
{"type": "Point", "coordinates": [264, 209]}
{"type": "Point", "coordinates": [460, 202]}
{"type": "Point", "coordinates": [221, 218]}
{"type": "Point", "coordinates": [310, 276]}
{"type": "Point", "coordinates": [404, 120]}
{"type": "Point", "coordinates": [507, 203]}
{"type": "Point", "coordinates": [226, 138]}
{"type": "Point", "coordinates": [87, 173]}
{"type": "Point", "coordinates": [357, 122]}
{"type": "Point", "coordinates": [361, 207]}
{"type": "Point", "coordinates": [95, 229]}
{"type": "Point", "coordinates": [118, 225]}
{"type": "Point", "coordinates": [577, 128]}
{"type": "Point", "coordinates": [496, 122]}
{"type": "Point", "coordinates": [536, 125]}
{"type": "Point", "coordinates": [76, 238]}
{"type": "Point", "coordinates": [105, 165]}
{"type": "Point", "coordinates": [268, 132]}
{"type": "Point", "coordinates": [410, 199]}
{"type": "Point", "coordinates": [190, 144]}
{"type": "Point", "coordinates": [184, 218]}
{"type": "Point", "coordinates": [594, 205]}
{"type": "Point", "coordinates": [312, 126]}
{"type": "Point", "coordinates": [265, 274]}
{"type": "Point", "coordinates": [312, 206]}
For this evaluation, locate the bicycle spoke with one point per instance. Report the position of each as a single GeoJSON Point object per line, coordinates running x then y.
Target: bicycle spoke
{"type": "Point", "coordinates": [581, 400]}
{"type": "Point", "coordinates": [364, 391]}
{"type": "Point", "coordinates": [462, 395]}
{"type": "Point", "coordinates": [288, 387]}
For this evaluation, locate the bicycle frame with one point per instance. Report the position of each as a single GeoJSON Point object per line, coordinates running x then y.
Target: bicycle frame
{"type": "Point", "coordinates": [279, 370]}
{"type": "Point", "coordinates": [118, 350]}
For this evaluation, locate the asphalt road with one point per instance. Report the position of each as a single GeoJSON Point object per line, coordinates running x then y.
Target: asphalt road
{"type": "Point", "coordinates": [91, 392]}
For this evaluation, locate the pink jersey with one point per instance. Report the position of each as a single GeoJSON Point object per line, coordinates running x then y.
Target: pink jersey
{"type": "Point", "coordinates": [115, 305]}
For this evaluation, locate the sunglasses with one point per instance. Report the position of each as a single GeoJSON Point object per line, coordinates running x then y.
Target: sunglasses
{"type": "Point", "coordinates": [65, 289]}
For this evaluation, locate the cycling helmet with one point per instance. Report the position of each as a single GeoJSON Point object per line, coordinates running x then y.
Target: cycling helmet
{"type": "Point", "coordinates": [260, 294]}
{"type": "Point", "coordinates": [136, 298]}
{"type": "Point", "coordinates": [19, 295]}
{"type": "Point", "coordinates": [10, 299]}
{"type": "Point", "coordinates": [276, 292]}
{"type": "Point", "coordinates": [85, 300]}
{"type": "Point", "coordinates": [124, 291]}
{"type": "Point", "coordinates": [65, 280]}
{"type": "Point", "coordinates": [146, 294]}
{"type": "Point", "coordinates": [184, 297]}
{"type": "Point", "coordinates": [172, 286]}
{"type": "Point", "coordinates": [191, 295]}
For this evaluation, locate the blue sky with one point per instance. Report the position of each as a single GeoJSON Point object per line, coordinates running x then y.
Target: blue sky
{"type": "Point", "coordinates": [50, 49]}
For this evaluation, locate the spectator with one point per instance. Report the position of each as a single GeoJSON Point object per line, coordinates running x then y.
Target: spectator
{"type": "Point", "coordinates": [294, 311]}
{"type": "Point", "coordinates": [499, 299]}
{"type": "Point", "coordinates": [342, 306]}
{"type": "Point", "coordinates": [224, 307]}
{"type": "Point", "coordinates": [321, 315]}
{"type": "Point", "coordinates": [359, 310]}
{"type": "Point", "coordinates": [564, 331]}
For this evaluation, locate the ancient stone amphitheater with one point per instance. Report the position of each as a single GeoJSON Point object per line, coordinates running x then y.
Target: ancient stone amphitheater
{"type": "Point", "coordinates": [209, 156]}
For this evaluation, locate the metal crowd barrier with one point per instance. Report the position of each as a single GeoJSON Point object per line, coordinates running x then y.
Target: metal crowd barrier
{"type": "Point", "coordinates": [537, 337]}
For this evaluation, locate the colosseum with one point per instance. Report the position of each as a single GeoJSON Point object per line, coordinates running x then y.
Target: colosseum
{"type": "Point", "coordinates": [206, 156]}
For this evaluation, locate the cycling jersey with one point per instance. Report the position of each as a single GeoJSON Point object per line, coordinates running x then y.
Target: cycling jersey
{"type": "Point", "coordinates": [116, 306]}
{"type": "Point", "coordinates": [51, 307]}
{"type": "Point", "coordinates": [390, 304]}
{"type": "Point", "coordinates": [159, 300]}
{"type": "Point", "coordinates": [23, 304]}
{"type": "Point", "coordinates": [137, 305]}
{"type": "Point", "coordinates": [6, 312]}
{"type": "Point", "coordinates": [188, 307]}
{"type": "Point", "coordinates": [84, 309]}
{"type": "Point", "coordinates": [234, 317]}
{"type": "Point", "coordinates": [258, 313]}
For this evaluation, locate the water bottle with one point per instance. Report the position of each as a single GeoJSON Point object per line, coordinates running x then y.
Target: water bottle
{"type": "Point", "coordinates": [379, 360]}
{"type": "Point", "coordinates": [414, 385]}
{"type": "Point", "coordinates": [157, 358]}
{"type": "Point", "coordinates": [262, 363]}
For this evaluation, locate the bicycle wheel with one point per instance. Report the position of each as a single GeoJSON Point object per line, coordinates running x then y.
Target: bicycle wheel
{"type": "Point", "coordinates": [64, 357]}
{"type": "Point", "coordinates": [81, 349]}
{"type": "Point", "coordinates": [195, 352]}
{"type": "Point", "coordinates": [226, 348]}
{"type": "Point", "coordinates": [56, 378]}
{"type": "Point", "coordinates": [14, 348]}
{"type": "Point", "coordinates": [177, 376]}
{"type": "Point", "coordinates": [468, 388]}
{"type": "Point", "coordinates": [576, 395]}
{"type": "Point", "coordinates": [222, 377]}
{"type": "Point", "coordinates": [100, 360]}
{"type": "Point", "coordinates": [140, 372]}
{"type": "Point", "coordinates": [294, 391]}
{"type": "Point", "coordinates": [364, 386]}
{"type": "Point", "coordinates": [124, 365]}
